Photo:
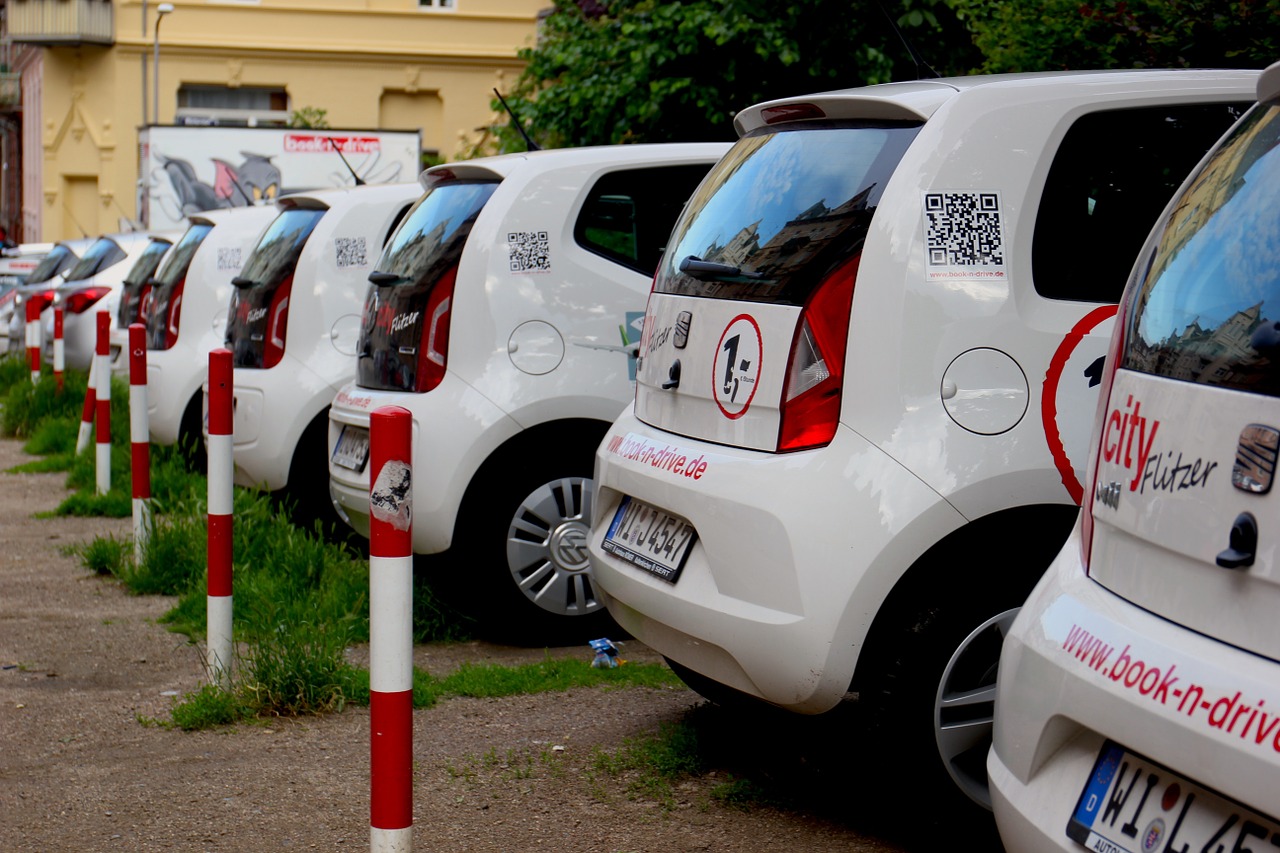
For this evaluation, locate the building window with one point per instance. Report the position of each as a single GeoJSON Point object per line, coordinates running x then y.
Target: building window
{"type": "Point", "coordinates": [437, 4]}
{"type": "Point", "coordinates": [243, 106]}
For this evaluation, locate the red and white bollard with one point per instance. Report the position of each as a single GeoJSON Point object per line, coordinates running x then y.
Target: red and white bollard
{"type": "Point", "coordinates": [140, 436]}
{"type": "Point", "coordinates": [391, 630]}
{"type": "Point", "coordinates": [33, 339]}
{"type": "Point", "coordinates": [221, 498]}
{"type": "Point", "coordinates": [103, 403]}
{"type": "Point", "coordinates": [86, 414]}
{"type": "Point", "coordinates": [59, 347]}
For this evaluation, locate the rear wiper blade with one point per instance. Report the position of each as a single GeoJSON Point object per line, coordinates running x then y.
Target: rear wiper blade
{"type": "Point", "coordinates": [240, 281]}
{"type": "Point", "coordinates": [383, 279]}
{"type": "Point", "coordinates": [695, 267]}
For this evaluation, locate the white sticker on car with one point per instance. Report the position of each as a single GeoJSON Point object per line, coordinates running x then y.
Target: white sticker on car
{"type": "Point", "coordinates": [736, 370]}
{"type": "Point", "coordinates": [350, 252]}
{"type": "Point", "coordinates": [391, 497]}
{"type": "Point", "coordinates": [964, 236]}
{"type": "Point", "coordinates": [528, 252]}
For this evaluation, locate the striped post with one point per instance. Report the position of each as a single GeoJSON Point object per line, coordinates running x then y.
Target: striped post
{"type": "Point", "coordinates": [86, 414]}
{"type": "Point", "coordinates": [221, 472]}
{"type": "Point", "coordinates": [33, 339]}
{"type": "Point", "coordinates": [391, 631]}
{"type": "Point", "coordinates": [103, 403]}
{"type": "Point", "coordinates": [59, 347]}
{"type": "Point", "coordinates": [140, 436]}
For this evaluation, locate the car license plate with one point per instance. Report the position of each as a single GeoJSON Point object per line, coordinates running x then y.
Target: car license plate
{"type": "Point", "coordinates": [1130, 805]}
{"type": "Point", "coordinates": [352, 449]}
{"type": "Point", "coordinates": [650, 539]}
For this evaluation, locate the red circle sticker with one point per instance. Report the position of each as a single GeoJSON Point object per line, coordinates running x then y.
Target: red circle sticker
{"type": "Point", "coordinates": [1076, 397]}
{"type": "Point", "coordinates": [736, 371]}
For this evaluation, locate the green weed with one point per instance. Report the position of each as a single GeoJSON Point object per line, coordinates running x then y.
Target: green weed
{"type": "Point", "coordinates": [105, 555]}
{"type": "Point", "coordinates": [652, 763]}
{"type": "Point", "coordinates": [209, 707]}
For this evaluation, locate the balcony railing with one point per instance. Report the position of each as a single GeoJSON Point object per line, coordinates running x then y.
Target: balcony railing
{"type": "Point", "coordinates": [60, 22]}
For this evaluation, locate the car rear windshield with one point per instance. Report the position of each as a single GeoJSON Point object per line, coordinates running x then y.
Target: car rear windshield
{"type": "Point", "coordinates": [139, 280]}
{"type": "Point", "coordinates": [59, 258]}
{"type": "Point", "coordinates": [783, 208]}
{"type": "Point", "coordinates": [103, 253]}
{"type": "Point", "coordinates": [1206, 303]}
{"type": "Point", "coordinates": [264, 283]}
{"type": "Point", "coordinates": [425, 250]}
{"type": "Point", "coordinates": [173, 274]}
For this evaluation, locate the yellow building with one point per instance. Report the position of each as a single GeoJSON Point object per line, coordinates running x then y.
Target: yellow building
{"type": "Point", "coordinates": [89, 81]}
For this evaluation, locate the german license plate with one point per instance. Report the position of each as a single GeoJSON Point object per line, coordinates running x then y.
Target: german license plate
{"type": "Point", "coordinates": [352, 449]}
{"type": "Point", "coordinates": [650, 539]}
{"type": "Point", "coordinates": [1130, 805]}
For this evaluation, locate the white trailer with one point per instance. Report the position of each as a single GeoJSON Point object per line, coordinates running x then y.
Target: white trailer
{"type": "Point", "coordinates": [184, 170]}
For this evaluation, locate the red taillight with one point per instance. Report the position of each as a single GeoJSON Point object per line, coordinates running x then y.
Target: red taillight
{"type": "Point", "coordinates": [1114, 351]}
{"type": "Point", "coordinates": [433, 350]}
{"type": "Point", "coordinates": [174, 319]}
{"type": "Point", "coordinates": [791, 112]}
{"type": "Point", "coordinates": [810, 410]}
{"type": "Point", "coordinates": [277, 324]}
{"type": "Point", "coordinates": [40, 300]}
{"type": "Point", "coordinates": [83, 300]}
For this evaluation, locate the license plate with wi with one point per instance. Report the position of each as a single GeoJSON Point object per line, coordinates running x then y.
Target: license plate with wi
{"type": "Point", "coordinates": [650, 539]}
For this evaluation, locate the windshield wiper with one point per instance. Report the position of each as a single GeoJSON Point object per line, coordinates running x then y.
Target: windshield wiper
{"type": "Point", "coordinates": [695, 267]}
{"type": "Point", "coordinates": [383, 279]}
{"type": "Point", "coordinates": [240, 281]}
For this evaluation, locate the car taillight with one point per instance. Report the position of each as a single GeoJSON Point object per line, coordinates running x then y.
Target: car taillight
{"type": "Point", "coordinates": [1112, 363]}
{"type": "Point", "coordinates": [277, 324]}
{"type": "Point", "coordinates": [174, 320]}
{"type": "Point", "coordinates": [433, 350]}
{"type": "Point", "coordinates": [810, 409]}
{"type": "Point", "coordinates": [40, 300]}
{"type": "Point", "coordinates": [83, 300]}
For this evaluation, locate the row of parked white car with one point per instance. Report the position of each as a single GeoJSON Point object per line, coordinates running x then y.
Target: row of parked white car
{"type": "Point", "coordinates": [849, 434]}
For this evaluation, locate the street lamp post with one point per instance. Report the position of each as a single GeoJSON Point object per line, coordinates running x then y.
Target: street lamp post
{"type": "Point", "coordinates": [161, 10]}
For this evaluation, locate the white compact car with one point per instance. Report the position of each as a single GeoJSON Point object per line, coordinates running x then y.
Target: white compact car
{"type": "Point", "coordinates": [1138, 707]}
{"type": "Point", "coordinates": [504, 314]}
{"type": "Point", "coordinates": [188, 316]}
{"type": "Point", "coordinates": [133, 303]}
{"type": "Point", "coordinates": [92, 285]}
{"type": "Point", "coordinates": [867, 370]}
{"type": "Point", "coordinates": [39, 286]}
{"type": "Point", "coordinates": [294, 322]}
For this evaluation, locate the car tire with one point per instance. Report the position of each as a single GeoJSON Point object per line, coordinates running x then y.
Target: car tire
{"type": "Point", "coordinates": [927, 679]}
{"type": "Point", "coordinates": [520, 563]}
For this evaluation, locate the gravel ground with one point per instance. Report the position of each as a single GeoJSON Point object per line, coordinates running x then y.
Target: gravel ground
{"type": "Point", "coordinates": [85, 666]}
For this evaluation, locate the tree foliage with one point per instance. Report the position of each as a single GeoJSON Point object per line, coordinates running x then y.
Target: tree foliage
{"type": "Point", "coordinates": [646, 71]}
{"type": "Point", "coordinates": [1042, 35]}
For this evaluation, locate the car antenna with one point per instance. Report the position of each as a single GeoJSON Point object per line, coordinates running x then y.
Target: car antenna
{"type": "Point", "coordinates": [355, 177]}
{"type": "Point", "coordinates": [529, 144]}
{"type": "Point", "coordinates": [921, 65]}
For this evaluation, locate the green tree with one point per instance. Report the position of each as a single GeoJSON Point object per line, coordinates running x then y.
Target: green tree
{"type": "Point", "coordinates": [1041, 35]}
{"type": "Point", "coordinates": [311, 117]}
{"type": "Point", "coordinates": [645, 71]}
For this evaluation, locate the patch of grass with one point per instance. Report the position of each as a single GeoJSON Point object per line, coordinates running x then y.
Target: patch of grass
{"type": "Point", "coordinates": [54, 436]}
{"type": "Point", "coordinates": [114, 504]}
{"type": "Point", "coordinates": [652, 763]}
{"type": "Point", "coordinates": [106, 555]}
{"type": "Point", "coordinates": [742, 794]}
{"type": "Point", "coordinates": [13, 369]}
{"type": "Point", "coordinates": [50, 464]}
{"type": "Point", "coordinates": [27, 406]}
{"type": "Point", "coordinates": [208, 707]}
{"type": "Point", "coordinates": [299, 669]}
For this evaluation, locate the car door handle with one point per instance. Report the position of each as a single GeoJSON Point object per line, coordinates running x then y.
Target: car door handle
{"type": "Point", "coordinates": [1242, 545]}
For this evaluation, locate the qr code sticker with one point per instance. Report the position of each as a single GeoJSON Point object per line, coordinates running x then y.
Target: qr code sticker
{"type": "Point", "coordinates": [350, 251]}
{"type": "Point", "coordinates": [229, 259]}
{"type": "Point", "coordinates": [528, 251]}
{"type": "Point", "coordinates": [964, 231]}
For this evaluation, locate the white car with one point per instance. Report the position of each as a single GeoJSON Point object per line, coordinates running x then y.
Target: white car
{"type": "Point", "coordinates": [133, 303]}
{"type": "Point", "coordinates": [188, 316]}
{"type": "Point", "coordinates": [293, 328]}
{"type": "Point", "coordinates": [504, 316]}
{"type": "Point", "coordinates": [1138, 706]}
{"type": "Point", "coordinates": [868, 366]}
{"type": "Point", "coordinates": [39, 285]}
{"type": "Point", "coordinates": [92, 285]}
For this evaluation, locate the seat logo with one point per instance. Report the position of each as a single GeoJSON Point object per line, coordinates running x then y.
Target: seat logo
{"type": "Point", "coordinates": [683, 320]}
{"type": "Point", "coordinates": [1255, 465]}
{"type": "Point", "coordinates": [1108, 494]}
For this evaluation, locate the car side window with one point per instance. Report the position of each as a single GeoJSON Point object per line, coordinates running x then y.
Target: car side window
{"type": "Point", "coordinates": [1111, 177]}
{"type": "Point", "coordinates": [628, 215]}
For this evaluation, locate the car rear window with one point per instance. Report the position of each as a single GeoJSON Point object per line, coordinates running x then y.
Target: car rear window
{"type": "Point", "coordinates": [139, 281]}
{"type": "Point", "coordinates": [101, 254]}
{"type": "Point", "coordinates": [172, 275]}
{"type": "Point", "coordinates": [427, 248]}
{"type": "Point", "coordinates": [59, 258]}
{"type": "Point", "coordinates": [782, 209]}
{"type": "Point", "coordinates": [1205, 305]}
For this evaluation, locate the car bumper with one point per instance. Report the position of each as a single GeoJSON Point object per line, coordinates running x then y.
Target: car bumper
{"type": "Point", "coordinates": [286, 397]}
{"type": "Point", "coordinates": [1059, 700]}
{"type": "Point", "coordinates": [794, 555]}
{"type": "Point", "coordinates": [454, 430]}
